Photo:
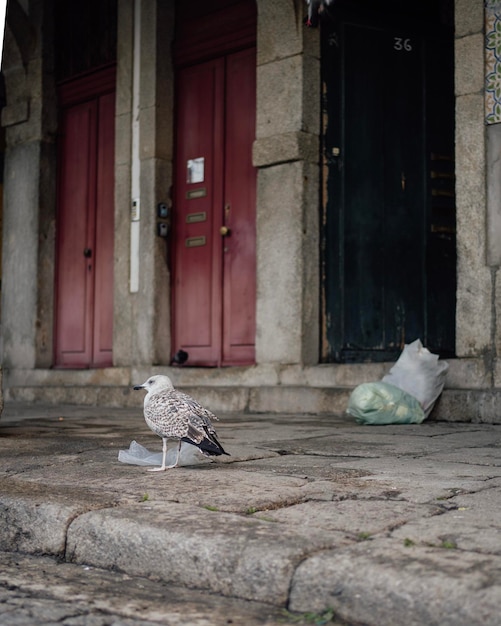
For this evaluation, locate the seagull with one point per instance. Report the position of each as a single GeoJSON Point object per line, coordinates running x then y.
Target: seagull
{"type": "Point", "coordinates": [172, 414]}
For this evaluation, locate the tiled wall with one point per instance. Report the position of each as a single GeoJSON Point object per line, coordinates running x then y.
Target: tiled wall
{"type": "Point", "coordinates": [492, 61]}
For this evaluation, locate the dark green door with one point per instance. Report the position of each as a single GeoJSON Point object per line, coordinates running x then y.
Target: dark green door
{"type": "Point", "coordinates": [389, 216]}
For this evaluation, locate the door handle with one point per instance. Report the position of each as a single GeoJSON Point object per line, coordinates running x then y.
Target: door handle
{"type": "Point", "coordinates": [224, 231]}
{"type": "Point", "coordinates": [87, 253]}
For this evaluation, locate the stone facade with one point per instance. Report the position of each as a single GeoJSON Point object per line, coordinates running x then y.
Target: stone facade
{"type": "Point", "coordinates": [286, 153]}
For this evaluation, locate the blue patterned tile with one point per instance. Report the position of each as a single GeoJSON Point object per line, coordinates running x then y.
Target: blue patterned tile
{"type": "Point", "coordinates": [492, 61]}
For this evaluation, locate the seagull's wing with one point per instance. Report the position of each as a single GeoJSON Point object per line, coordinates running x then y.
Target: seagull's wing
{"type": "Point", "coordinates": [201, 432]}
{"type": "Point", "coordinates": [195, 408]}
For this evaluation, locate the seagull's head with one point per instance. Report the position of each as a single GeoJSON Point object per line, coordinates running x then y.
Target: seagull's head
{"type": "Point", "coordinates": [157, 383]}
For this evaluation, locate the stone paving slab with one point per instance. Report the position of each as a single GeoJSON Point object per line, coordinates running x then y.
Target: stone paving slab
{"type": "Point", "coordinates": [357, 518]}
{"type": "Point", "coordinates": [377, 441]}
{"type": "Point", "coordinates": [425, 479]}
{"type": "Point", "coordinates": [472, 525]}
{"type": "Point", "coordinates": [224, 487]}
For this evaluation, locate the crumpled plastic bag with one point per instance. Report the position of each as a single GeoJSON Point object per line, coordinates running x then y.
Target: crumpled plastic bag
{"type": "Point", "coordinates": [139, 455]}
{"type": "Point", "coordinates": [418, 375]}
{"type": "Point", "coordinates": [383, 403]}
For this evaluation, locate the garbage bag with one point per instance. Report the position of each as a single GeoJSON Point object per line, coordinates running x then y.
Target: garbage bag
{"type": "Point", "coordinates": [384, 403]}
{"type": "Point", "coordinates": [139, 455]}
{"type": "Point", "coordinates": [419, 373]}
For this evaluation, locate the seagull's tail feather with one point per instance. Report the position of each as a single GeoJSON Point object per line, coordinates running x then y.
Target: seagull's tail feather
{"type": "Point", "coordinates": [208, 446]}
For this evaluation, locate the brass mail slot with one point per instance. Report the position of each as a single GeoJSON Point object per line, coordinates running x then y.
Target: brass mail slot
{"type": "Point", "coordinates": [440, 157]}
{"type": "Point", "coordinates": [194, 242]}
{"type": "Point", "coordinates": [447, 175]}
{"type": "Point", "coordinates": [442, 193]}
{"type": "Point", "coordinates": [449, 230]}
{"type": "Point", "coordinates": [196, 193]}
{"type": "Point", "coordinates": [191, 218]}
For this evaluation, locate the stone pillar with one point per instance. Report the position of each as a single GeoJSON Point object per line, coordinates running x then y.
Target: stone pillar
{"type": "Point", "coordinates": [474, 291]}
{"type": "Point", "coordinates": [123, 322]}
{"type": "Point", "coordinates": [141, 320]}
{"type": "Point", "coordinates": [286, 151]}
{"type": "Point", "coordinates": [29, 197]}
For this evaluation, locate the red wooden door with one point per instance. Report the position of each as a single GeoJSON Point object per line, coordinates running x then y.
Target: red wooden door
{"type": "Point", "coordinates": [84, 272]}
{"type": "Point", "coordinates": [214, 284]}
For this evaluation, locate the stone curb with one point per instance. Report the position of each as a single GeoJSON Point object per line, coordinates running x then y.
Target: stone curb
{"type": "Point", "coordinates": [222, 552]}
{"type": "Point", "coordinates": [33, 526]}
{"type": "Point", "coordinates": [225, 553]}
{"type": "Point", "coordinates": [379, 582]}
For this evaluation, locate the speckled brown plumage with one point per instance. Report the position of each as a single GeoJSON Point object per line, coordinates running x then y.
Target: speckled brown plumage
{"type": "Point", "coordinates": [172, 414]}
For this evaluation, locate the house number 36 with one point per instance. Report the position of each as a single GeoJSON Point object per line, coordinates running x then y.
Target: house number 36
{"type": "Point", "coordinates": [401, 44]}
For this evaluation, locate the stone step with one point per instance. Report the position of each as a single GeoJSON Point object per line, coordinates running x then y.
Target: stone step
{"type": "Point", "coordinates": [231, 399]}
{"type": "Point", "coordinates": [454, 405]}
{"type": "Point", "coordinates": [286, 389]}
{"type": "Point", "coordinates": [256, 389]}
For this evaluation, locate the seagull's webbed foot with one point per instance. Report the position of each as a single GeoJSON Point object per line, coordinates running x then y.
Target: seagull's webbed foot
{"type": "Point", "coordinates": [161, 469]}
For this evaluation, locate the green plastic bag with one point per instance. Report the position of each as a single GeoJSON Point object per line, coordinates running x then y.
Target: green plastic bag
{"type": "Point", "coordinates": [383, 403]}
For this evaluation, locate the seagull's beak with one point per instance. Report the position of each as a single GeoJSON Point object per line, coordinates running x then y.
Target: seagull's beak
{"type": "Point", "coordinates": [137, 387]}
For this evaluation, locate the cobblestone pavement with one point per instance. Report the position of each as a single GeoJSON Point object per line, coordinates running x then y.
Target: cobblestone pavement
{"type": "Point", "coordinates": [385, 526]}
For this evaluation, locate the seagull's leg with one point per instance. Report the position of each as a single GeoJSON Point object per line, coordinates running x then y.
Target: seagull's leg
{"type": "Point", "coordinates": [164, 454]}
{"type": "Point", "coordinates": [177, 457]}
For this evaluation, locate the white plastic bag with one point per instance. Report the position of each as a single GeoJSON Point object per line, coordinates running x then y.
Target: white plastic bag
{"type": "Point", "coordinates": [139, 455]}
{"type": "Point", "coordinates": [383, 403]}
{"type": "Point", "coordinates": [419, 373]}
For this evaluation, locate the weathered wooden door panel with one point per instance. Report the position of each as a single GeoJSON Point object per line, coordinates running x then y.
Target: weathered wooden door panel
{"type": "Point", "coordinates": [214, 274]}
{"type": "Point", "coordinates": [84, 271]}
{"type": "Point", "coordinates": [197, 212]}
{"type": "Point", "coordinates": [378, 271]}
{"type": "Point", "coordinates": [75, 233]}
{"type": "Point", "coordinates": [239, 248]}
